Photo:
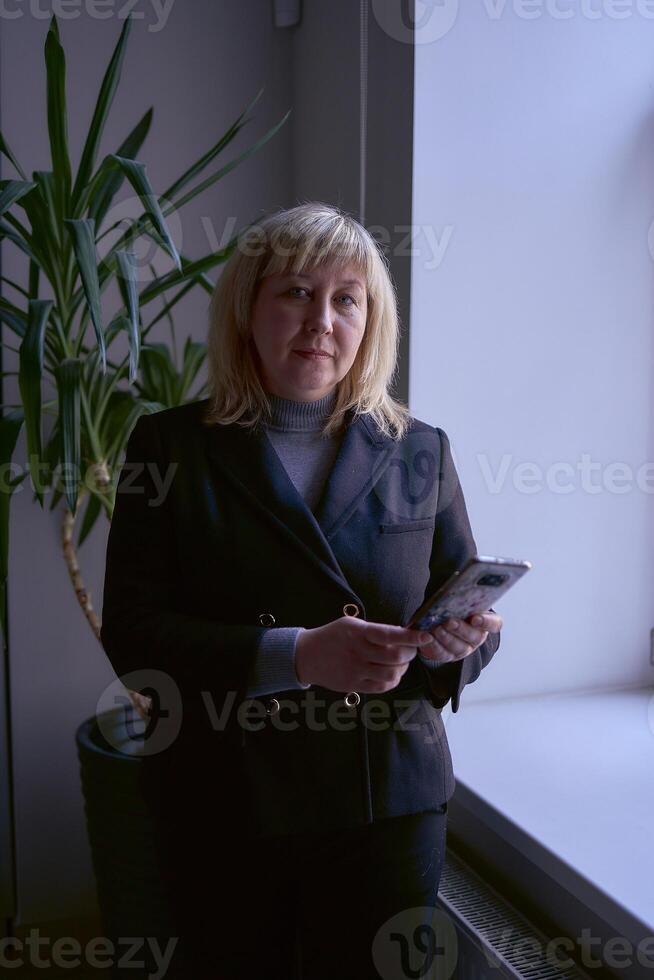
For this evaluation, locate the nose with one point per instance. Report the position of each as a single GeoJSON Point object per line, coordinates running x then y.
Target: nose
{"type": "Point", "coordinates": [319, 315]}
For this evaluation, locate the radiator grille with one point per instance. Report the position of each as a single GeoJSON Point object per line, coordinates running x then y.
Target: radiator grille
{"type": "Point", "coordinates": [508, 940]}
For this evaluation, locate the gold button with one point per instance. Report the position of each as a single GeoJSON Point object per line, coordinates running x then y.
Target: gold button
{"type": "Point", "coordinates": [351, 699]}
{"type": "Point", "coordinates": [272, 706]}
{"type": "Point", "coordinates": [266, 619]}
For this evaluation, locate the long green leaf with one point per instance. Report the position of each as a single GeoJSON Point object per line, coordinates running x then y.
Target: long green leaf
{"type": "Point", "coordinates": [94, 381]}
{"type": "Point", "coordinates": [91, 514]}
{"type": "Point", "coordinates": [30, 373]}
{"type": "Point", "coordinates": [165, 310]}
{"type": "Point", "coordinates": [229, 166]}
{"type": "Point", "coordinates": [140, 227]}
{"type": "Point", "coordinates": [5, 148]}
{"type": "Point", "coordinates": [201, 279]}
{"type": "Point", "coordinates": [206, 283]}
{"type": "Point", "coordinates": [189, 270]}
{"type": "Point", "coordinates": [51, 455]}
{"type": "Point", "coordinates": [106, 390]}
{"type": "Point", "coordinates": [195, 354]}
{"type": "Point", "coordinates": [111, 167]}
{"type": "Point", "coordinates": [13, 317]}
{"type": "Point", "coordinates": [10, 425]}
{"type": "Point", "coordinates": [55, 62]}
{"type": "Point", "coordinates": [135, 173]}
{"type": "Point", "coordinates": [82, 231]}
{"type": "Point", "coordinates": [50, 229]}
{"type": "Point", "coordinates": [121, 413]}
{"type": "Point", "coordinates": [43, 239]}
{"type": "Point", "coordinates": [158, 373]}
{"type": "Point", "coordinates": [134, 340]}
{"type": "Point", "coordinates": [102, 107]}
{"type": "Point", "coordinates": [21, 238]}
{"type": "Point", "coordinates": [15, 285]}
{"type": "Point", "coordinates": [68, 374]}
{"type": "Point", "coordinates": [12, 191]}
{"type": "Point", "coordinates": [200, 164]}
{"type": "Point", "coordinates": [33, 279]}
{"type": "Point", "coordinates": [129, 293]}
{"type": "Point", "coordinates": [109, 177]}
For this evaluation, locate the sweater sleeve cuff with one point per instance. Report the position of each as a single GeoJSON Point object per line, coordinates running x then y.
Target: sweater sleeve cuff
{"type": "Point", "coordinates": [432, 664]}
{"type": "Point", "coordinates": [274, 665]}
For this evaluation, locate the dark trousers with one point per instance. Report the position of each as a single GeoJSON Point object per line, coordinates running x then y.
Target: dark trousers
{"type": "Point", "coordinates": [345, 905]}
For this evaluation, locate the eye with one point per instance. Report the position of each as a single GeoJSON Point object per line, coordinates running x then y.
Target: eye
{"type": "Point", "coordinates": [344, 296]}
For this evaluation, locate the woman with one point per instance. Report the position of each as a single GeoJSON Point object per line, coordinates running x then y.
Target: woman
{"type": "Point", "coordinates": [267, 547]}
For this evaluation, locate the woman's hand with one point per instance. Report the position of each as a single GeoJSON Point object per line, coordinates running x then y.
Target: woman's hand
{"type": "Point", "coordinates": [457, 638]}
{"type": "Point", "coordinates": [352, 654]}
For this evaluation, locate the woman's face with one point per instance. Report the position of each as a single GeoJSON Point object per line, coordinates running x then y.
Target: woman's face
{"type": "Point", "coordinates": [325, 310]}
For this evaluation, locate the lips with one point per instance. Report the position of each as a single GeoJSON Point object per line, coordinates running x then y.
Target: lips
{"type": "Point", "coordinates": [315, 354]}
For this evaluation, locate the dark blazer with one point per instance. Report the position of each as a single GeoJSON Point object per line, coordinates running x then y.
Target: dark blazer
{"type": "Point", "coordinates": [194, 576]}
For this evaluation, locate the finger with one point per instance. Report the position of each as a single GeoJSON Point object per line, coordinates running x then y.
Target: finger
{"type": "Point", "coordinates": [462, 630]}
{"type": "Point", "coordinates": [390, 656]}
{"type": "Point", "coordinates": [489, 621]}
{"type": "Point", "coordinates": [453, 643]}
{"type": "Point", "coordinates": [438, 652]}
{"type": "Point", "coordinates": [472, 637]}
{"type": "Point", "coordinates": [386, 635]}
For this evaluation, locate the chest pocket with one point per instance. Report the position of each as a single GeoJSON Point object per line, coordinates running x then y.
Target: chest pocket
{"type": "Point", "coordinates": [401, 527]}
{"type": "Point", "coordinates": [402, 554]}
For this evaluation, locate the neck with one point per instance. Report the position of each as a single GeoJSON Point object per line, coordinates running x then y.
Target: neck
{"type": "Point", "coordinates": [289, 413]}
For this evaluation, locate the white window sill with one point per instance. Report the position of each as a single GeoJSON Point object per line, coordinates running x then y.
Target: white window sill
{"type": "Point", "coordinates": [565, 783]}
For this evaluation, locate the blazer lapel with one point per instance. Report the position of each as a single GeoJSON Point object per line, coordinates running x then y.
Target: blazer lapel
{"type": "Point", "coordinates": [248, 459]}
{"type": "Point", "coordinates": [363, 456]}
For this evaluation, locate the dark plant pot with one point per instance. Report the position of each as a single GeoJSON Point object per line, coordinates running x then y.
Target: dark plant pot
{"type": "Point", "coordinates": [130, 892]}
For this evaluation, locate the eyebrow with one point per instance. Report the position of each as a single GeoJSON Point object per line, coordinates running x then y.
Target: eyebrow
{"type": "Point", "coordinates": [343, 282]}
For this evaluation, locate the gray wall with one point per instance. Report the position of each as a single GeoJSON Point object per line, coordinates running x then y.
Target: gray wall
{"type": "Point", "coordinates": [199, 72]}
{"type": "Point", "coordinates": [326, 150]}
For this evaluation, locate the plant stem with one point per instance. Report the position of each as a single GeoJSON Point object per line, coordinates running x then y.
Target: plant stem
{"type": "Point", "coordinates": [141, 703]}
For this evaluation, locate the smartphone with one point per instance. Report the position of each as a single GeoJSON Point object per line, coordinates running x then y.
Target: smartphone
{"type": "Point", "coordinates": [474, 588]}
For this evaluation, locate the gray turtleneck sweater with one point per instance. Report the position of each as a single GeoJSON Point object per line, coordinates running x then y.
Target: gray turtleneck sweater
{"type": "Point", "coordinates": [295, 430]}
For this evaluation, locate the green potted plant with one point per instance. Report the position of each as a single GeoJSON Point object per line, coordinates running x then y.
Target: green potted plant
{"type": "Point", "coordinates": [58, 221]}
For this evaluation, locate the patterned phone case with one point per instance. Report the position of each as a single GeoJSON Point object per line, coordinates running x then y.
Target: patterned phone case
{"type": "Point", "coordinates": [475, 587]}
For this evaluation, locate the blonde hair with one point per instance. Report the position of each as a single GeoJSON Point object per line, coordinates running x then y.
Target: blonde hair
{"type": "Point", "coordinates": [295, 240]}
